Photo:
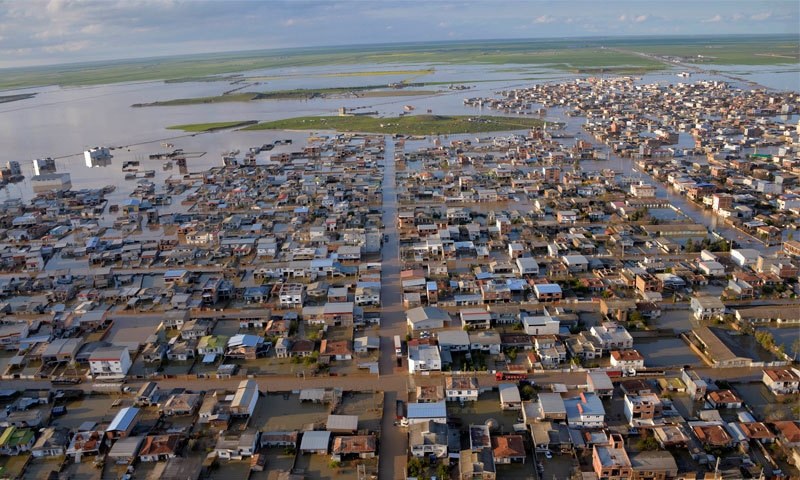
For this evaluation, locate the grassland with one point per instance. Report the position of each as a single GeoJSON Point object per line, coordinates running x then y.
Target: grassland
{"type": "Point", "coordinates": [409, 124]}
{"type": "Point", "coordinates": [565, 54]}
{"type": "Point", "coordinates": [294, 94]}
{"type": "Point", "coordinates": [210, 127]}
{"type": "Point", "coordinates": [727, 52]}
{"type": "Point", "coordinates": [370, 73]}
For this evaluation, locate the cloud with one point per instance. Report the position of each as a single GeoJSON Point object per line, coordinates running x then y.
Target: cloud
{"type": "Point", "coordinates": [442, 25]}
{"type": "Point", "coordinates": [289, 22]}
{"type": "Point", "coordinates": [640, 18]}
{"type": "Point", "coordinates": [623, 18]}
{"type": "Point", "coordinates": [760, 17]}
{"type": "Point", "coordinates": [715, 19]}
{"type": "Point", "coordinates": [544, 19]}
{"type": "Point", "coordinates": [736, 17]}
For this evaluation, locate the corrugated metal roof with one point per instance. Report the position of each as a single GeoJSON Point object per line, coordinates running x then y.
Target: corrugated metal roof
{"type": "Point", "coordinates": [315, 440]}
{"type": "Point", "coordinates": [427, 410]}
{"type": "Point", "coordinates": [123, 419]}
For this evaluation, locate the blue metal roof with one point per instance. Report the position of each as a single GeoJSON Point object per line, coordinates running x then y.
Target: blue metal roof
{"type": "Point", "coordinates": [123, 419]}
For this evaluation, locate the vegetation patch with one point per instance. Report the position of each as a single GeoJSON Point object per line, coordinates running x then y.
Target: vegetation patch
{"type": "Point", "coordinates": [294, 94]}
{"type": "Point", "coordinates": [210, 127]}
{"type": "Point", "coordinates": [409, 124]}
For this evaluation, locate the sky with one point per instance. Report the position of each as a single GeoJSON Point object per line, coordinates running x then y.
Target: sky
{"type": "Point", "coordinates": [35, 32]}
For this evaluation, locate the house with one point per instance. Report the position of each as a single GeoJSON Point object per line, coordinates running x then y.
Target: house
{"type": "Point", "coordinates": [157, 448]}
{"type": "Point", "coordinates": [368, 295]}
{"type": "Point", "coordinates": [428, 438]}
{"type": "Point", "coordinates": [52, 442]}
{"type": "Point", "coordinates": [527, 266]}
{"type": "Point", "coordinates": [724, 399]}
{"type": "Point", "coordinates": [781, 381]}
{"type": "Point", "coordinates": [453, 340]}
{"type": "Point", "coordinates": [508, 449]}
{"type": "Point", "coordinates": [181, 404]}
{"type": "Point", "coordinates": [423, 358]}
{"type": "Point", "coordinates": [246, 346]}
{"type": "Point", "coordinates": [315, 441]}
{"type": "Point", "coordinates": [123, 423]}
{"type": "Point", "coordinates": [711, 434]}
{"type": "Point", "coordinates": [461, 389]}
{"type": "Point", "coordinates": [575, 263]}
{"type": "Point", "coordinates": [14, 440]}
{"type": "Point", "coordinates": [706, 307]}
{"type": "Point", "coordinates": [788, 432]}
{"type": "Point", "coordinates": [212, 345]}
{"type": "Point", "coordinates": [711, 268]}
{"type": "Point", "coordinates": [642, 409]}
{"type": "Point", "coordinates": [291, 295]}
{"type": "Point", "coordinates": [475, 318]}
{"type": "Point", "coordinates": [302, 348]}
{"type": "Point", "coordinates": [744, 257]}
{"type": "Point", "coordinates": [335, 350]}
{"type": "Point", "coordinates": [485, 341]}
{"type": "Point", "coordinates": [627, 360]}
{"type": "Point", "coordinates": [355, 446]}
{"type": "Point", "coordinates": [696, 387]}
{"type": "Point", "coordinates": [424, 412]}
{"type": "Point", "coordinates": [424, 318]}
{"type": "Point", "coordinates": [509, 397]}
{"type": "Point", "coordinates": [549, 407]}
{"type": "Point", "coordinates": [195, 329]}
{"type": "Point", "coordinates": [654, 465]}
{"type": "Point", "coordinates": [611, 461]}
{"type": "Point", "coordinates": [474, 465]}
{"type": "Point", "coordinates": [611, 335]}
{"type": "Point", "coordinates": [279, 439]}
{"type": "Point", "coordinates": [282, 346]}
{"type": "Point", "coordinates": [540, 325]}
{"type": "Point", "coordinates": [86, 443]}
{"type": "Point", "coordinates": [245, 399]}
{"type": "Point", "coordinates": [125, 450]}
{"type": "Point", "coordinates": [11, 334]}
{"type": "Point", "coordinates": [109, 362]}
{"type": "Point", "coordinates": [548, 292]}
{"type": "Point", "coordinates": [233, 446]}
{"type": "Point", "coordinates": [147, 394]}
{"type": "Point", "coordinates": [585, 411]}
{"type": "Point", "coordinates": [600, 384]}
{"type": "Point", "coordinates": [338, 313]}
{"type": "Point", "coordinates": [342, 424]}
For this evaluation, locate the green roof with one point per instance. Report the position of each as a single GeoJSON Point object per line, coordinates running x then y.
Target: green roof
{"type": "Point", "coordinates": [13, 436]}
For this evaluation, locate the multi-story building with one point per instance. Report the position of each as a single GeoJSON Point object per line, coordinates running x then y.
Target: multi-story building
{"type": "Point", "coordinates": [110, 362]}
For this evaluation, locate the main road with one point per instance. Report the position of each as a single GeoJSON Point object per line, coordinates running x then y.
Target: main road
{"type": "Point", "coordinates": [392, 380]}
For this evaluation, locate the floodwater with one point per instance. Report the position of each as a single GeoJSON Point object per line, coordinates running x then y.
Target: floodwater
{"type": "Point", "coordinates": [666, 352]}
{"type": "Point", "coordinates": [787, 336]}
{"type": "Point", "coordinates": [62, 122]}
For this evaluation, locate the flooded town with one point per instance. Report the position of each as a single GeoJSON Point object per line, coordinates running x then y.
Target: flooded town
{"type": "Point", "coordinates": [565, 258]}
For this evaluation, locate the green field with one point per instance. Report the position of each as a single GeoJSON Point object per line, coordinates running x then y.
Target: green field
{"type": "Point", "coordinates": [409, 124]}
{"type": "Point", "coordinates": [295, 94]}
{"type": "Point", "coordinates": [727, 52]}
{"type": "Point", "coordinates": [566, 54]}
{"type": "Point", "coordinates": [210, 127]}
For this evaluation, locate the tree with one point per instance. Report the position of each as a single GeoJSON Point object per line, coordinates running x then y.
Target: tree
{"type": "Point", "coordinates": [443, 471]}
{"type": "Point", "coordinates": [527, 392]}
{"type": "Point", "coordinates": [636, 316]}
{"type": "Point", "coordinates": [796, 348]}
{"type": "Point", "coordinates": [415, 467]}
{"type": "Point", "coordinates": [647, 443]}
